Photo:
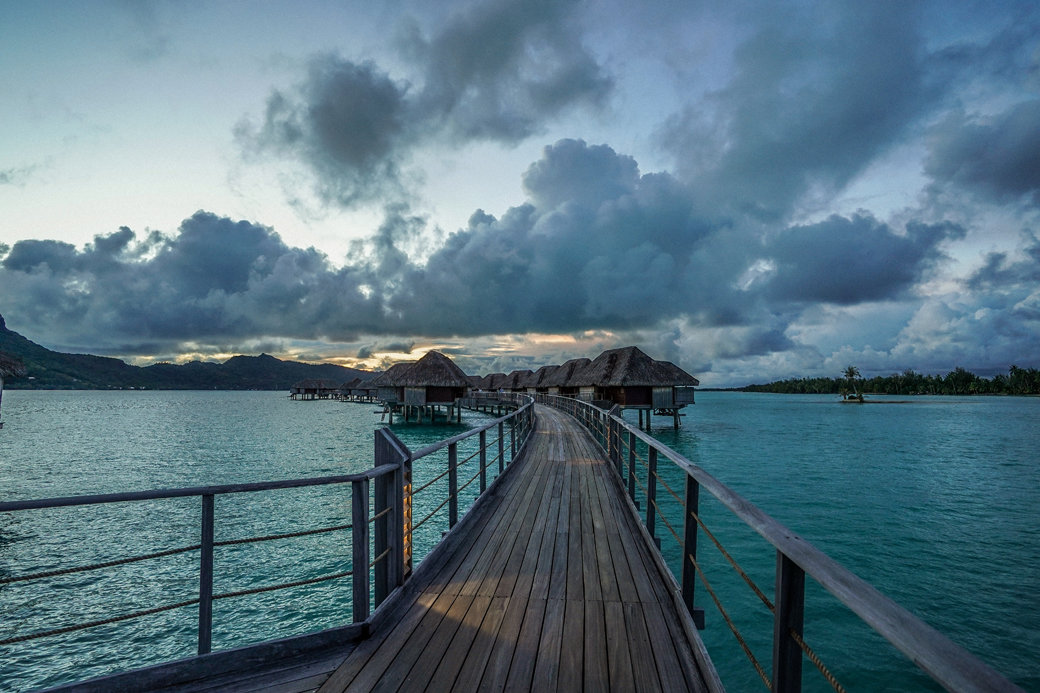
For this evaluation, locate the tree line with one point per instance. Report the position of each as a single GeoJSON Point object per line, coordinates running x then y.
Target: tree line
{"type": "Point", "coordinates": [1018, 381]}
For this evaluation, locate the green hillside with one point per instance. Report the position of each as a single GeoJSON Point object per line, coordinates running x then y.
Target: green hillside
{"type": "Point", "coordinates": [46, 369]}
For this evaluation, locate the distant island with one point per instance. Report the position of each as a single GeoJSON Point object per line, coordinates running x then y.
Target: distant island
{"type": "Point", "coordinates": [40, 369]}
{"type": "Point", "coordinates": [43, 369]}
{"type": "Point", "coordinates": [1018, 381]}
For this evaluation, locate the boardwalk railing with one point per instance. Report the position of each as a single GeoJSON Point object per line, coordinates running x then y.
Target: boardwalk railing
{"type": "Point", "coordinates": [628, 449]}
{"type": "Point", "coordinates": [382, 529]}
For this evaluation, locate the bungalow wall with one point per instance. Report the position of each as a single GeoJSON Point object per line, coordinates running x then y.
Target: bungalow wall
{"type": "Point", "coordinates": [443, 395]}
{"type": "Point", "coordinates": [392, 395]}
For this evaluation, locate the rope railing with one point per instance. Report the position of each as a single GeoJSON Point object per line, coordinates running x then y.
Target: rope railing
{"type": "Point", "coordinates": [948, 664]}
{"type": "Point", "coordinates": [732, 626]}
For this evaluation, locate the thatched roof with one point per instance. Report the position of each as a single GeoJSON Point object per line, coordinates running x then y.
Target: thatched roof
{"type": "Point", "coordinates": [681, 377]}
{"type": "Point", "coordinates": [540, 377]}
{"type": "Point", "coordinates": [561, 377]}
{"type": "Point", "coordinates": [388, 377]}
{"type": "Point", "coordinates": [433, 370]}
{"type": "Point", "coordinates": [516, 380]}
{"type": "Point", "coordinates": [351, 384]}
{"type": "Point", "coordinates": [629, 366]}
{"type": "Point", "coordinates": [11, 366]}
{"type": "Point", "coordinates": [315, 384]}
{"type": "Point", "coordinates": [491, 381]}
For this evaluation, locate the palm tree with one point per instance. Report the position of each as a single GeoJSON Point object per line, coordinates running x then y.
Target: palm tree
{"type": "Point", "coordinates": [851, 374]}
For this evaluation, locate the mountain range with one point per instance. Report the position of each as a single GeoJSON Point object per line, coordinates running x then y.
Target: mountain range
{"type": "Point", "coordinates": [46, 369]}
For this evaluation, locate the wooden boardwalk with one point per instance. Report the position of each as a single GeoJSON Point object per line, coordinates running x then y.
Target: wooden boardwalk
{"type": "Point", "coordinates": [549, 587]}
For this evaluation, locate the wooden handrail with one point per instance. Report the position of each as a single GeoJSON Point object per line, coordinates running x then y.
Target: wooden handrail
{"type": "Point", "coordinates": [947, 663]}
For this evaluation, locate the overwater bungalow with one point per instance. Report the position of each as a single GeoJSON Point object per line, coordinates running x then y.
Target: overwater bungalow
{"type": "Point", "coordinates": [387, 391]}
{"type": "Point", "coordinates": [537, 383]}
{"type": "Point", "coordinates": [516, 381]}
{"type": "Point", "coordinates": [631, 379]}
{"type": "Point", "coordinates": [559, 382]}
{"type": "Point", "coordinates": [492, 382]}
{"type": "Point", "coordinates": [356, 390]}
{"type": "Point", "coordinates": [313, 388]}
{"type": "Point", "coordinates": [423, 388]}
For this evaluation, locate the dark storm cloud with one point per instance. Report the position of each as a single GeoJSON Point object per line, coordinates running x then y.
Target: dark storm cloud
{"type": "Point", "coordinates": [216, 279]}
{"type": "Point", "coordinates": [1002, 274]}
{"type": "Point", "coordinates": [850, 261]}
{"type": "Point", "coordinates": [818, 93]}
{"type": "Point", "coordinates": [347, 121]}
{"type": "Point", "coordinates": [997, 156]}
{"type": "Point", "coordinates": [598, 246]}
{"type": "Point", "coordinates": [498, 71]}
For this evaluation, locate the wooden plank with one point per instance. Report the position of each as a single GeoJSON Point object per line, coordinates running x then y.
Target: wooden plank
{"type": "Point", "coordinates": [520, 519]}
{"type": "Point", "coordinates": [589, 564]}
{"type": "Point", "coordinates": [469, 677]}
{"type": "Point", "coordinates": [673, 659]}
{"type": "Point", "coordinates": [457, 654]}
{"type": "Point", "coordinates": [572, 646]}
{"type": "Point", "coordinates": [547, 666]}
{"type": "Point", "coordinates": [424, 657]}
{"type": "Point", "coordinates": [634, 550]}
{"type": "Point", "coordinates": [575, 571]}
{"type": "Point", "coordinates": [528, 645]}
{"type": "Point", "coordinates": [626, 585]}
{"type": "Point", "coordinates": [547, 552]}
{"type": "Point", "coordinates": [619, 655]}
{"type": "Point", "coordinates": [519, 577]}
{"type": "Point", "coordinates": [296, 674]}
{"type": "Point", "coordinates": [596, 674]}
{"type": "Point", "coordinates": [643, 668]}
{"type": "Point", "coordinates": [502, 653]}
{"type": "Point", "coordinates": [370, 663]}
{"type": "Point", "coordinates": [608, 581]}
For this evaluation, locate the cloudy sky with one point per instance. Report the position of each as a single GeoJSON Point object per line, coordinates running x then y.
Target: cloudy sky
{"type": "Point", "coordinates": [752, 190]}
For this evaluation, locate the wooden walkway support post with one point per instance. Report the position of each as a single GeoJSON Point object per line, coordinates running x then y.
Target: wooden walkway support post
{"type": "Point", "coordinates": [359, 520]}
{"type": "Point", "coordinates": [206, 576]}
{"type": "Point", "coordinates": [385, 544]}
{"type": "Point", "coordinates": [790, 613]}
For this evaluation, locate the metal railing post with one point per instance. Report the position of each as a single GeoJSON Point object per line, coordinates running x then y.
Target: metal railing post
{"type": "Point", "coordinates": [483, 461]}
{"type": "Point", "coordinates": [512, 439]}
{"type": "Point", "coordinates": [501, 447]}
{"type": "Point", "coordinates": [359, 520]}
{"type": "Point", "coordinates": [651, 493]}
{"type": "Point", "coordinates": [453, 484]}
{"type": "Point", "coordinates": [206, 576]}
{"type": "Point", "coordinates": [790, 614]}
{"type": "Point", "coordinates": [689, 572]}
{"type": "Point", "coordinates": [632, 467]}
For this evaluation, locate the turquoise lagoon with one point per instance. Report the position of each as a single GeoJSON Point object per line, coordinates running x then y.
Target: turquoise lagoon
{"type": "Point", "coordinates": [935, 501]}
